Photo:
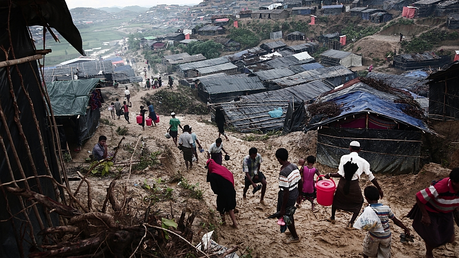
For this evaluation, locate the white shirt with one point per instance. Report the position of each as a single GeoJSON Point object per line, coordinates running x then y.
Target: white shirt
{"type": "Point", "coordinates": [214, 149]}
{"type": "Point", "coordinates": [126, 92]}
{"type": "Point", "coordinates": [186, 140]}
{"type": "Point", "coordinates": [364, 166]}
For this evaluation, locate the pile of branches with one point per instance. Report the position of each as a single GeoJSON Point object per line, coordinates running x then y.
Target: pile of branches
{"type": "Point", "coordinates": [411, 107]}
{"type": "Point", "coordinates": [329, 109]}
{"type": "Point", "coordinates": [382, 86]}
{"type": "Point", "coordinates": [87, 232]}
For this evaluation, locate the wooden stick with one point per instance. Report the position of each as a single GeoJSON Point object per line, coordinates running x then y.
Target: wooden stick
{"type": "Point", "coordinates": [173, 233]}
{"type": "Point", "coordinates": [20, 60]}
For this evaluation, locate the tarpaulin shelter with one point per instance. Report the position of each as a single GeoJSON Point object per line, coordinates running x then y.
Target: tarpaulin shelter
{"type": "Point", "coordinates": [334, 57]}
{"type": "Point", "coordinates": [250, 113]}
{"type": "Point", "coordinates": [444, 93]}
{"type": "Point", "coordinates": [125, 74]}
{"type": "Point", "coordinates": [389, 137]}
{"type": "Point", "coordinates": [81, 70]}
{"type": "Point", "coordinates": [419, 61]}
{"type": "Point", "coordinates": [29, 156]}
{"type": "Point", "coordinates": [409, 12]}
{"type": "Point", "coordinates": [76, 106]}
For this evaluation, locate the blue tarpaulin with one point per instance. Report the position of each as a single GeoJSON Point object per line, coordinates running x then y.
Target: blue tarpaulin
{"type": "Point", "coordinates": [358, 102]}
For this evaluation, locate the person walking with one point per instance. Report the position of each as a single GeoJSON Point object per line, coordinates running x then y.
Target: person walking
{"type": "Point", "coordinates": [173, 128]}
{"type": "Point", "coordinates": [348, 195]}
{"type": "Point", "coordinates": [151, 113]}
{"type": "Point", "coordinates": [222, 184]}
{"type": "Point", "coordinates": [195, 141]}
{"type": "Point", "coordinates": [117, 107]}
{"type": "Point", "coordinates": [251, 167]}
{"type": "Point", "coordinates": [126, 111]}
{"type": "Point", "coordinates": [171, 82]}
{"type": "Point", "coordinates": [432, 214]}
{"type": "Point", "coordinates": [289, 176]}
{"type": "Point", "coordinates": [185, 142]}
{"type": "Point", "coordinates": [148, 84]}
{"type": "Point", "coordinates": [215, 151]}
{"type": "Point", "coordinates": [220, 120]}
{"type": "Point", "coordinates": [142, 113]}
{"type": "Point", "coordinates": [127, 94]}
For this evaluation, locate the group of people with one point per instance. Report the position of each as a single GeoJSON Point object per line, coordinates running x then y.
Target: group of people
{"type": "Point", "coordinates": [154, 83]}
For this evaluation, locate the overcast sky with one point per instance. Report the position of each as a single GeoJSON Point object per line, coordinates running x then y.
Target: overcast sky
{"type": "Point", "coordinates": [122, 3]}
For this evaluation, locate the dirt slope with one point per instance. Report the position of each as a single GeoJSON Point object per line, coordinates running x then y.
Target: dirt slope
{"type": "Point", "coordinates": [255, 233]}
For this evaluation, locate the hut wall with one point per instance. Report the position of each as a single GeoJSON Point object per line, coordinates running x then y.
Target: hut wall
{"type": "Point", "coordinates": [444, 99]}
{"type": "Point", "coordinates": [400, 155]}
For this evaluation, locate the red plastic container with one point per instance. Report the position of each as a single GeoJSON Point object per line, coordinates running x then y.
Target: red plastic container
{"type": "Point", "coordinates": [149, 120]}
{"type": "Point", "coordinates": [139, 119]}
{"type": "Point", "coordinates": [157, 119]}
{"type": "Point", "coordinates": [325, 192]}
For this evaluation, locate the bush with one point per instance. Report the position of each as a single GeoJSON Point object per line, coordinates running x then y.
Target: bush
{"type": "Point", "coordinates": [122, 130]}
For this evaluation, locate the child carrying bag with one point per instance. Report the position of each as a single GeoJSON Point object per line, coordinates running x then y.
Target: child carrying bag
{"type": "Point", "coordinates": [369, 221]}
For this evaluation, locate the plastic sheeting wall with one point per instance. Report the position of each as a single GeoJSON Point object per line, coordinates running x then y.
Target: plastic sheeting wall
{"type": "Point", "coordinates": [15, 237]}
{"type": "Point", "coordinates": [387, 151]}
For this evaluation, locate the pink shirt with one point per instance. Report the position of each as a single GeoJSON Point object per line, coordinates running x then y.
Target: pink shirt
{"type": "Point", "coordinates": [308, 179]}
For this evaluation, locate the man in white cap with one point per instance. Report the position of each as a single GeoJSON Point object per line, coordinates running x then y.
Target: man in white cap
{"type": "Point", "coordinates": [173, 128]}
{"type": "Point", "coordinates": [348, 195]}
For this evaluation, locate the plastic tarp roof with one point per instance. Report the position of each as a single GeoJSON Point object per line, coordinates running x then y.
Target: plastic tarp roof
{"type": "Point", "coordinates": [70, 98]}
{"type": "Point", "coordinates": [336, 54]}
{"type": "Point", "coordinates": [417, 85]}
{"type": "Point", "coordinates": [227, 84]}
{"type": "Point", "coordinates": [312, 75]}
{"type": "Point", "coordinates": [204, 63]}
{"type": "Point", "coordinates": [311, 66]}
{"type": "Point", "coordinates": [287, 61]}
{"type": "Point", "coordinates": [360, 102]}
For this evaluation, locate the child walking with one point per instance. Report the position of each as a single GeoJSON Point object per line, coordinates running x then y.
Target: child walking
{"type": "Point", "coordinates": [306, 184]}
{"type": "Point", "coordinates": [142, 113]}
{"type": "Point", "coordinates": [111, 108]}
{"type": "Point", "coordinates": [378, 244]}
{"type": "Point", "coordinates": [126, 111]}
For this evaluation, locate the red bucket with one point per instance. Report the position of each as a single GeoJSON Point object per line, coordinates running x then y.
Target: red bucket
{"type": "Point", "coordinates": [157, 119]}
{"type": "Point", "coordinates": [139, 119]}
{"type": "Point", "coordinates": [325, 191]}
{"type": "Point", "coordinates": [148, 121]}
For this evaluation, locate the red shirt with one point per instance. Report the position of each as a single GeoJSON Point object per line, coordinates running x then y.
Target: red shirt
{"type": "Point", "coordinates": [439, 197]}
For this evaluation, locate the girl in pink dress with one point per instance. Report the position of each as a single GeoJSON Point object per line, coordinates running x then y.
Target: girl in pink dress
{"type": "Point", "coordinates": [306, 184]}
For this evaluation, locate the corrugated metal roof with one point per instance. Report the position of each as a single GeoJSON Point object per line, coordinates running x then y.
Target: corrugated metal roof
{"type": "Point", "coordinates": [251, 112]}
{"type": "Point", "coordinates": [428, 2]}
{"type": "Point", "coordinates": [312, 75]}
{"type": "Point", "coordinates": [204, 63]}
{"type": "Point", "coordinates": [216, 68]}
{"type": "Point", "coordinates": [274, 74]}
{"type": "Point", "coordinates": [184, 58]}
{"type": "Point", "coordinates": [84, 69]}
{"type": "Point", "coordinates": [229, 83]}
{"type": "Point", "coordinates": [283, 62]}
{"type": "Point", "coordinates": [335, 54]}
{"type": "Point", "coordinates": [274, 44]}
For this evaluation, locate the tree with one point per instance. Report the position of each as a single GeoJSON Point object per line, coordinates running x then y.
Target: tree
{"type": "Point", "coordinates": [210, 49]}
{"type": "Point", "coordinates": [134, 41]}
{"type": "Point", "coordinates": [246, 37]}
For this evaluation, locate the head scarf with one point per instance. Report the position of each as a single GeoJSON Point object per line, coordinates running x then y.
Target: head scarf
{"type": "Point", "coordinates": [213, 167]}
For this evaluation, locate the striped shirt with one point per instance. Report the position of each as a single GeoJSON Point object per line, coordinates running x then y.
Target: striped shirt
{"type": "Point", "coordinates": [384, 213]}
{"type": "Point", "coordinates": [439, 197]}
{"type": "Point", "coordinates": [289, 177]}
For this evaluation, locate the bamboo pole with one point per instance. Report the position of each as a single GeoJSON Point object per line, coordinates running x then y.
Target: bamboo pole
{"type": "Point", "coordinates": [20, 60]}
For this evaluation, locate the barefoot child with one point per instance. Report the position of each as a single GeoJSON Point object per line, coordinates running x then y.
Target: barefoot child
{"type": "Point", "coordinates": [308, 190]}
{"type": "Point", "coordinates": [142, 113]}
{"type": "Point", "coordinates": [111, 108]}
{"type": "Point", "coordinates": [378, 244]}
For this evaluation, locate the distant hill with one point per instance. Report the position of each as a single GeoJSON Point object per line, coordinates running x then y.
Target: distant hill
{"type": "Point", "coordinates": [134, 8]}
